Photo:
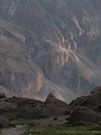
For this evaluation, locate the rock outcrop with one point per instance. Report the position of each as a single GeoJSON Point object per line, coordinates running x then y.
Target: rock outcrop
{"type": "Point", "coordinates": [54, 106]}
{"type": "Point", "coordinates": [19, 75]}
{"type": "Point", "coordinates": [87, 110]}
{"type": "Point", "coordinates": [84, 110]}
{"type": "Point", "coordinates": [92, 101]}
{"type": "Point", "coordinates": [84, 116]}
{"type": "Point", "coordinates": [13, 108]}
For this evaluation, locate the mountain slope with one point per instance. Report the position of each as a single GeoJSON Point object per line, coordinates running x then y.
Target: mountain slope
{"type": "Point", "coordinates": [18, 74]}
{"type": "Point", "coordinates": [59, 47]}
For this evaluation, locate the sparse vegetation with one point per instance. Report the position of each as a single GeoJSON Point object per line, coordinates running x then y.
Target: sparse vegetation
{"type": "Point", "coordinates": [57, 130]}
{"type": "Point", "coordinates": [23, 121]}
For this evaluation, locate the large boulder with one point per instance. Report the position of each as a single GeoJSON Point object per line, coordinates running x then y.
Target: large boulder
{"type": "Point", "coordinates": [25, 108]}
{"type": "Point", "coordinates": [54, 106]}
{"type": "Point", "coordinates": [83, 115]}
{"type": "Point", "coordinates": [15, 107]}
{"type": "Point", "coordinates": [29, 108]}
{"type": "Point", "coordinates": [87, 109]}
{"type": "Point", "coordinates": [93, 101]}
{"type": "Point", "coordinates": [97, 90]}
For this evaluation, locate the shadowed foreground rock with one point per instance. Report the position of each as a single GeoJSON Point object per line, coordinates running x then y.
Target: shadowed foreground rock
{"type": "Point", "coordinates": [84, 110]}
{"type": "Point", "coordinates": [15, 107]}
{"type": "Point", "coordinates": [87, 110]}
{"type": "Point", "coordinates": [86, 116]}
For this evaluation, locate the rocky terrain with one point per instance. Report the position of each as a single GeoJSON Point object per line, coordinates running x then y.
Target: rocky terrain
{"type": "Point", "coordinates": [87, 110]}
{"type": "Point", "coordinates": [50, 46]}
{"type": "Point", "coordinates": [15, 108]}
{"type": "Point", "coordinates": [84, 110]}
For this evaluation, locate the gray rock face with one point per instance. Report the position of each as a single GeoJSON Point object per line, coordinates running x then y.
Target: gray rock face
{"type": "Point", "coordinates": [53, 46]}
{"type": "Point", "coordinates": [18, 74]}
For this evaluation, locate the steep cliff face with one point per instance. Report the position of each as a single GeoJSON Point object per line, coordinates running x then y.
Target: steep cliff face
{"type": "Point", "coordinates": [56, 43]}
{"type": "Point", "coordinates": [18, 74]}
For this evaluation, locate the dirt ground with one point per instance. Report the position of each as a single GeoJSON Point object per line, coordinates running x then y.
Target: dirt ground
{"type": "Point", "coordinates": [13, 131]}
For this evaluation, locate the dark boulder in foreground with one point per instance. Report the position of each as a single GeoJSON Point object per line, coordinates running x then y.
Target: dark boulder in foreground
{"type": "Point", "coordinates": [55, 106]}
{"type": "Point", "coordinates": [93, 101]}
{"type": "Point", "coordinates": [97, 90]}
{"type": "Point", "coordinates": [87, 109]}
{"type": "Point", "coordinates": [15, 107]}
{"type": "Point", "coordinates": [83, 115]}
